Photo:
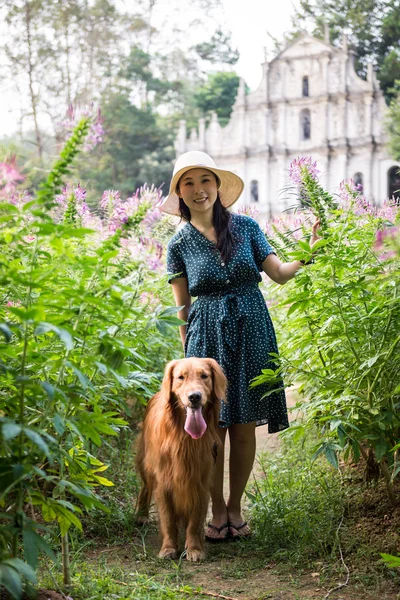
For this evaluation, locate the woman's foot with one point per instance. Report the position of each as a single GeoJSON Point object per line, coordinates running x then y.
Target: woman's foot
{"type": "Point", "coordinates": [238, 527]}
{"type": "Point", "coordinates": [217, 534]}
{"type": "Point", "coordinates": [218, 529]}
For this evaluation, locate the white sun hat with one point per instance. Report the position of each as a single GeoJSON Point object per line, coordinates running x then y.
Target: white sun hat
{"type": "Point", "coordinates": [230, 186]}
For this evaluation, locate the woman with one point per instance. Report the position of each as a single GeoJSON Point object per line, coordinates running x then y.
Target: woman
{"type": "Point", "coordinates": [217, 256]}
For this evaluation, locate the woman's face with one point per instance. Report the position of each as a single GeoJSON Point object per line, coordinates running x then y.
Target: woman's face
{"type": "Point", "coordinates": [198, 189]}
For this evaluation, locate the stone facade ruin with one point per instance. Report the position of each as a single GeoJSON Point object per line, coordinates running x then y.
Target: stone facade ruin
{"type": "Point", "coordinates": [310, 102]}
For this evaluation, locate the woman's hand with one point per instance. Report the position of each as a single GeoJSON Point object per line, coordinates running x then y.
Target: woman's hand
{"type": "Point", "coordinates": [314, 236]}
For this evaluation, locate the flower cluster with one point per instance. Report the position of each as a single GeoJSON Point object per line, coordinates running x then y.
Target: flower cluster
{"type": "Point", "coordinates": [293, 225]}
{"type": "Point", "coordinates": [250, 211]}
{"type": "Point", "coordinates": [10, 177]}
{"type": "Point", "coordinates": [299, 167]}
{"type": "Point", "coordinates": [350, 194]}
{"type": "Point", "coordinates": [96, 131]}
{"type": "Point", "coordinates": [387, 242]}
{"type": "Point", "coordinates": [73, 200]}
{"type": "Point", "coordinates": [118, 211]}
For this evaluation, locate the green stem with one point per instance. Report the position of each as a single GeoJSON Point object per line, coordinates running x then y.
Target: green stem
{"type": "Point", "coordinates": [20, 494]}
{"type": "Point", "coordinates": [346, 331]}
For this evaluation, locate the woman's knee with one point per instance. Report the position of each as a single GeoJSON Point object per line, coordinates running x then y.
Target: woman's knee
{"type": "Point", "coordinates": [242, 433]}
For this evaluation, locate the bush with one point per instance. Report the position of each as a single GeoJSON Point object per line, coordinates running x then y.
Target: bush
{"type": "Point", "coordinates": [339, 320]}
{"type": "Point", "coordinates": [81, 296]}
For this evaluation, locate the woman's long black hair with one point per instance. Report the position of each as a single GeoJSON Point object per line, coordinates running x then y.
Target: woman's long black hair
{"type": "Point", "coordinates": [222, 222]}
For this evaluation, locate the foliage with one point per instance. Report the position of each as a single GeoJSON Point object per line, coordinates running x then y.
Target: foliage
{"type": "Point", "coordinates": [218, 49]}
{"type": "Point", "coordinates": [123, 160]}
{"type": "Point", "coordinates": [80, 298]}
{"type": "Point", "coordinates": [373, 27]}
{"type": "Point", "coordinates": [393, 123]}
{"type": "Point", "coordinates": [296, 504]}
{"type": "Point", "coordinates": [340, 325]}
{"type": "Point", "coordinates": [391, 561]}
{"type": "Point", "coordinates": [218, 94]}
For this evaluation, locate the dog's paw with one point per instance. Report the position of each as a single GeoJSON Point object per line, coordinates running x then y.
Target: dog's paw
{"type": "Point", "coordinates": [195, 555]}
{"type": "Point", "coordinates": [168, 552]}
{"type": "Point", "coordinates": [142, 520]}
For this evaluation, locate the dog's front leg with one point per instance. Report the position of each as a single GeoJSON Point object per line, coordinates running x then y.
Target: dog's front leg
{"type": "Point", "coordinates": [168, 525]}
{"type": "Point", "coordinates": [195, 533]}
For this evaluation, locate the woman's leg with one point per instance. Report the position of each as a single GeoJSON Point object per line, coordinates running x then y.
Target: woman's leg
{"type": "Point", "coordinates": [219, 512]}
{"type": "Point", "coordinates": [241, 459]}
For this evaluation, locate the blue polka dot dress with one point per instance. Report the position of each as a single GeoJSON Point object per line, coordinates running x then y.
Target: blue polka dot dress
{"type": "Point", "coordinates": [229, 321]}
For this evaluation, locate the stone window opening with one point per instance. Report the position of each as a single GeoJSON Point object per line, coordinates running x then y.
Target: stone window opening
{"type": "Point", "coordinates": [305, 125]}
{"type": "Point", "coordinates": [394, 183]}
{"type": "Point", "coordinates": [306, 91]}
{"type": "Point", "coordinates": [359, 182]}
{"type": "Point", "coordinates": [254, 190]}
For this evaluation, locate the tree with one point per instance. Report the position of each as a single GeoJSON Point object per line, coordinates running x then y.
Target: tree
{"type": "Point", "coordinates": [31, 56]}
{"type": "Point", "coordinates": [218, 94]}
{"type": "Point", "coordinates": [127, 158]}
{"type": "Point", "coordinates": [373, 27]}
{"type": "Point", "coordinates": [393, 123]}
{"type": "Point", "coordinates": [218, 49]}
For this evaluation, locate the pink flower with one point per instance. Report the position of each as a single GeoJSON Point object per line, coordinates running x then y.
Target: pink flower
{"type": "Point", "coordinates": [80, 193]}
{"type": "Point", "coordinates": [14, 303]}
{"type": "Point", "coordinates": [9, 176]}
{"type": "Point", "coordinates": [300, 166]}
{"type": "Point", "coordinates": [250, 211]}
{"type": "Point", "coordinates": [96, 131]}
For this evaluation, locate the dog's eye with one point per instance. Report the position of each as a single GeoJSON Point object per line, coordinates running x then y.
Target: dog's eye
{"type": "Point", "coordinates": [181, 377]}
{"type": "Point", "coordinates": [204, 376]}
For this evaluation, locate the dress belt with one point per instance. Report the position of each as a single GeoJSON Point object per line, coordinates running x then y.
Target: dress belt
{"type": "Point", "coordinates": [232, 308]}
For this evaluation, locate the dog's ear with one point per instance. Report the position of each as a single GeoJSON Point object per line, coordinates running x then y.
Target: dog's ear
{"type": "Point", "coordinates": [219, 380]}
{"type": "Point", "coordinates": [167, 379]}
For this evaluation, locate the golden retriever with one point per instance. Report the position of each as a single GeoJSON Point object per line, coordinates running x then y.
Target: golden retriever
{"type": "Point", "coordinates": [177, 450]}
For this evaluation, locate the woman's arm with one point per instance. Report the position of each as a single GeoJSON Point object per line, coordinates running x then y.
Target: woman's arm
{"type": "Point", "coordinates": [278, 271]}
{"type": "Point", "coordinates": [182, 298]}
{"type": "Point", "coordinates": [282, 272]}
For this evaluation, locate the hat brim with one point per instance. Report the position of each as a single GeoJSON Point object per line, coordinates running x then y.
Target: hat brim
{"type": "Point", "coordinates": [230, 188]}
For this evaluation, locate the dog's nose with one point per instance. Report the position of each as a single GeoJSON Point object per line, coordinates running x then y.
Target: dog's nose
{"type": "Point", "coordinates": [194, 398]}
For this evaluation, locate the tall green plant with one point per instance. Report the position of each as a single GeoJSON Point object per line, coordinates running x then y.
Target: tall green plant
{"type": "Point", "coordinates": [340, 331]}
{"type": "Point", "coordinates": [75, 332]}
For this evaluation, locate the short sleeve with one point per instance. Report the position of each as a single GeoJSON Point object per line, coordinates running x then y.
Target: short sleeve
{"type": "Point", "coordinates": [175, 264]}
{"type": "Point", "coordinates": [261, 247]}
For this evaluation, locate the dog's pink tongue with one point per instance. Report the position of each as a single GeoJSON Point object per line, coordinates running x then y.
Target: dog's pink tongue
{"type": "Point", "coordinates": [195, 424]}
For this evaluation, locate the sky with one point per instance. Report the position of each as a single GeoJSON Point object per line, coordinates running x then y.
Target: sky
{"type": "Point", "coordinates": [250, 22]}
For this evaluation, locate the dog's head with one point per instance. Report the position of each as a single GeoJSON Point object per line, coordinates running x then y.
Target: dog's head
{"type": "Point", "coordinates": [197, 386]}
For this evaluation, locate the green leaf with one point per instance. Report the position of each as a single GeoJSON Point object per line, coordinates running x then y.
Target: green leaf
{"type": "Point", "coordinates": [10, 430]}
{"type": "Point", "coordinates": [6, 331]}
{"type": "Point", "coordinates": [11, 580]}
{"type": "Point", "coordinates": [59, 425]}
{"type": "Point", "coordinates": [171, 310]}
{"type": "Point", "coordinates": [49, 389]}
{"type": "Point", "coordinates": [380, 448]}
{"type": "Point", "coordinates": [39, 442]}
{"type": "Point", "coordinates": [64, 335]}
{"type": "Point", "coordinates": [331, 456]}
{"type": "Point", "coordinates": [22, 567]}
{"type": "Point", "coordinates": [391, 561]}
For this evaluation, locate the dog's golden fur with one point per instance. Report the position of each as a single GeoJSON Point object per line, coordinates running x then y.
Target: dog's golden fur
{"type": "Point", "coordinates": [174, 467]}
